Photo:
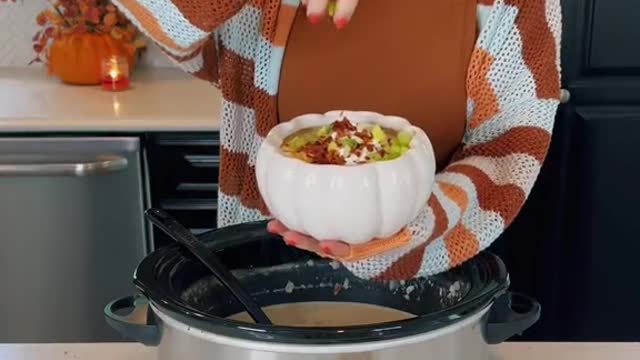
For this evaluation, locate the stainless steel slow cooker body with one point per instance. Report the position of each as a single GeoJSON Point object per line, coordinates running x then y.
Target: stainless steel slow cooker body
{"type": "Point", "coordinates": [182, 308]}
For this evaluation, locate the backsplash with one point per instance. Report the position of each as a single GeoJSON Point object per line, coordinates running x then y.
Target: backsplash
{"type": "Point", "coordinates": [17, 26]}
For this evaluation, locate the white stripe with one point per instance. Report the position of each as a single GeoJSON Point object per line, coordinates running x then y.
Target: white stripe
{"type": "Point", "coordinates": [497, 25]}
{"type": "Point", "coordinates": [241, 32]}
{"type": "Point", "coordinates": [436, 259]}
{"type": "Point", "coordinates": [268, 62]}
{"type": "Point", "coordinates": [482, 14]}
{"type": "Point", "coordinates": [463, 182]}
{"type": "Point", "coordinates": [485, 225]}
{"type": "Point", "coordinates": [509, 77]}
{"type": "Point", "coordinates": [238, 130]}
{"type": "Point", "coordinates": [231, 211]}
{"type": "Point", "coordinates": [451, 208]}
{"type": "Point", "coordinates": [171, 21]}
{"type": "Point", "coordinates": [553, 14]}
{"type": "Point", "coordinates": [533, 112]}
{"type": "Point", "coordinates": [174, 23]}
{"type": "Point", "coordinates": [514, 169]}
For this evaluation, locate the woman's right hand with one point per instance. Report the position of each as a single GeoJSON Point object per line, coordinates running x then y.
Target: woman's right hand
{"type": "Point", "coordinates": [317, 10]}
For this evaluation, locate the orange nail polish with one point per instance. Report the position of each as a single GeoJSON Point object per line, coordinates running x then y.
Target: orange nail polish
{"type": "Point", "coordinates": [314, 18]}
{"type": "Point", "coordinates": [341, 23]}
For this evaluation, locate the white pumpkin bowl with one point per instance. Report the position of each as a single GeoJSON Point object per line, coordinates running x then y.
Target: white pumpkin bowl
{"type": "Point", "coordinates": [354, 203]}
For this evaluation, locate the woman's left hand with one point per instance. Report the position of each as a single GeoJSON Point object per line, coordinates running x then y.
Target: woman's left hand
{"type": "Point", "coordinates": [344, 9]}
{"type": "Point", "coordinates": [324, 248]}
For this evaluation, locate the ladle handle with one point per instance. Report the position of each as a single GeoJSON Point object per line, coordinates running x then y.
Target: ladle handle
{"type": "Point", "coordinates": [182, 235]}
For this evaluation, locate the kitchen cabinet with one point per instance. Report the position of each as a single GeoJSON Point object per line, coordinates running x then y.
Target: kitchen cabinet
{"type": "Point", "coordinates": [184, 178]}
{"type": "Point", "coordinates": [575, 239]}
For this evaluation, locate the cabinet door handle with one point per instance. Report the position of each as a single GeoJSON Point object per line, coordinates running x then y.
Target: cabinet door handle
{"type": "Point", "coordinates": [565, 96]}
{"type": "Point", "coordinates": [102, 165]}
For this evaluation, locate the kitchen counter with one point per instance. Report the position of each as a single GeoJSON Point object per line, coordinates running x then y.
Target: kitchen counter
{"type": "Point", "coordinates": [508, 351]}
{"type": "Point", "coordinates": [163, 99]}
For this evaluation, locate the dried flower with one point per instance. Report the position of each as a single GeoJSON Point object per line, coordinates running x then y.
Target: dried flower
{"type": "Point", "coordinates": [79, 17]}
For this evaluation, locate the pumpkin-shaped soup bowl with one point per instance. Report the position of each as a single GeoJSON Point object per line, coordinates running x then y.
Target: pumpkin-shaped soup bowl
{"type": "Point", "coordinates": [351, 203]}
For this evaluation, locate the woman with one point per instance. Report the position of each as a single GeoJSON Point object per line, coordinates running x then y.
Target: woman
{"type": "Point", "coordinates": [480, 76]}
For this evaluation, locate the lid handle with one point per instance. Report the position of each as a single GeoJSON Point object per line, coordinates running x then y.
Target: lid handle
{"type": "Point", "coordinates": [130, 326]}
{"type": "Point", "coordinates": [511, 314]}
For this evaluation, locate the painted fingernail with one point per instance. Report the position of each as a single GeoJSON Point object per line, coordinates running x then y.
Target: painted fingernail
{"type": "Point", "coordinates": [290, 242]}
{"type": "Point", "coordinates": [326, 250]}
{"type": "Point", "coordinates": [314, 18]}
{"type": "Point", "coordinates": [341, 23]}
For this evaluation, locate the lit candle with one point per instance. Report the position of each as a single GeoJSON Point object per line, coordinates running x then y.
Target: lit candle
{"type": "Point", "coordinates": [115, 74]}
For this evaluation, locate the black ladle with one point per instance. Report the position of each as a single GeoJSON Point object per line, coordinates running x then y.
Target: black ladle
{"type": "Point", "coordinates": [183, 236]}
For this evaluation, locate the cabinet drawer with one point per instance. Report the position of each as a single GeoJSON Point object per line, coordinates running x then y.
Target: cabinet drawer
{"type": "Point", "coordinates": [184, 171]}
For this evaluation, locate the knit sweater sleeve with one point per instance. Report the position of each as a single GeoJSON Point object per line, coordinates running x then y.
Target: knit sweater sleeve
{"type": "Point", "coordinates": [184, 29]}
{"type": "Point", "coordinates": [513, 89]}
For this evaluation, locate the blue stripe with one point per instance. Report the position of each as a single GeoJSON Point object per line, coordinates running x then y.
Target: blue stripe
{"type": "Point", "coordinates": [268, 64]}
{"type": "Point", "coordinates": [239, 33]}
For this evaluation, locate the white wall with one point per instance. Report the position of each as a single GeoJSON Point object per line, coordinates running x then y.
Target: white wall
{"type": "Point", "coordinates": [18, 25]}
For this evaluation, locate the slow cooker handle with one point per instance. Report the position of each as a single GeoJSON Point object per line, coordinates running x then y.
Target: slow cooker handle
{"type": "Point", "coordinates": [146, 332]}
{"type": "Point", "coordinates": [511, 314]}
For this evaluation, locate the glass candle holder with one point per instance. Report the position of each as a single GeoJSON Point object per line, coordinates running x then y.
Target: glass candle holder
{"type": "Point", "coordinates": [115, 73]}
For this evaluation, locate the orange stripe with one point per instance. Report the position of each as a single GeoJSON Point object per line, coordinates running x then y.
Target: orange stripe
{"type": "Point", "coordinates": [505, 200]}
{"type": "Point", "coordinates": [406, 267]}
{"type": "Point", "coordinates": [461, 244]}
{"type": "Point", "coordinates": [236, 80]}
{"type": "Point", "coordinates": [286, 16]}
{"type": "Point", "coordinates": [456, 194]}
{"type": "Point", "coordinates": [538, 46]}
{"type": "Point", "coordinates": [150, 24]}
{"type": "Point", "coordinates": [528, 140]}
{"type": "Point", "coordinates": [209, 69]}
{"type": "Point", "coordinates": [207, 15]}
{"type": "Point", "coordinates": [485, 101]}
{"type": "Point", "coordinates": [440, 216]}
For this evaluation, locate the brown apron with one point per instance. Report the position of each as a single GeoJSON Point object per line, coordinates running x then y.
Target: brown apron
{"type": "Point", "coordinates": [397, 57]}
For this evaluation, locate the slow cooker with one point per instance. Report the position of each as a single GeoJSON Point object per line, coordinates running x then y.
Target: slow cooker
{"type": "Point", "coordinates": [183, 309]}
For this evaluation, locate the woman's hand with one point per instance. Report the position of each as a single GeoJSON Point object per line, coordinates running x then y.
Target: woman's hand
{"type": "Point", "coordinates": [319, 9]}
{"type": "Point", "coordinates": [325, 248]}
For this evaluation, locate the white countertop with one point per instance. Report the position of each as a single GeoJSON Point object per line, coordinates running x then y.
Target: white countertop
{"type": "Point", "coordinates": [507, 351]}
{"type": "Point", "coordinates": [164, 99]}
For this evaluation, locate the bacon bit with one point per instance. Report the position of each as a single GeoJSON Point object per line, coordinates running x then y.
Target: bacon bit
{"type": "Point", "coordinates": [317, 152]}
{"type": "Point", "coordinates": [344, 126]}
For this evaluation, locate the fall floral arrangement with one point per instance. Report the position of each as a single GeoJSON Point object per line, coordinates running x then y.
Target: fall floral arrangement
{"type": "Point", "coordinates": [79, 33]}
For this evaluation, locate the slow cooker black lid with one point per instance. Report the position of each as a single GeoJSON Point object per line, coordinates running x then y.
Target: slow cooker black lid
{"type": "Point", "coordinates": [181, 287]}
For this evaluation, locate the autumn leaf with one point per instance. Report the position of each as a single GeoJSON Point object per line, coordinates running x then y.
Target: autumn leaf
{"type": "Point", "coordinates": [110, 19]}
{"type": "Point", "coordinates": [93, 15]}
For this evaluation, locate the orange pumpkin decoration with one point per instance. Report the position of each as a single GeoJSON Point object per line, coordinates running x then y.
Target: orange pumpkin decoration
{"type": "Point", "coordinates": [76, 58]}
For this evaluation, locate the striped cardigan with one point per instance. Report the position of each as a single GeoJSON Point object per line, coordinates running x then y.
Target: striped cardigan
{"type": "Point", "coordinates": [513, 88]}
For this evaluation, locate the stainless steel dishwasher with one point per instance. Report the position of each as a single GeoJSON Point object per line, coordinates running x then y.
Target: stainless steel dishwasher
{"type": "Point", "coordinates": [71, 235]}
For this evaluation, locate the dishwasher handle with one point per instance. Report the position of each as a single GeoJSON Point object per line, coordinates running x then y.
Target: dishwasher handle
{"type": "Point", "coordinates": [101, 165]}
